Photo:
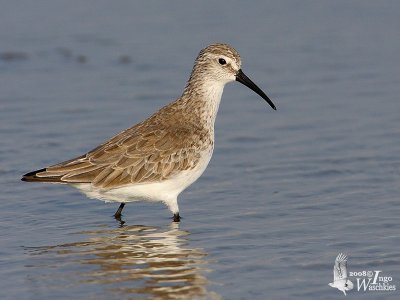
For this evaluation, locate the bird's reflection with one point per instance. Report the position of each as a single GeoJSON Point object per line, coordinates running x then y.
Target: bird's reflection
{"type": "Point", "coordinates": [135, 261]}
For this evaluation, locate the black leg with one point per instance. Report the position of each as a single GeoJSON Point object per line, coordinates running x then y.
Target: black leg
{"type": "Point", "coordinates": [176, 217]}
{"type": "Point", "coordinates": [117, 214]}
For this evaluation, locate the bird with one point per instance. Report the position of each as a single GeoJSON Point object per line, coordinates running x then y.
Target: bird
{"type": "Point", "coordinates": [158, 158]}
{"type": "Point", "coordinates": [340, 278]}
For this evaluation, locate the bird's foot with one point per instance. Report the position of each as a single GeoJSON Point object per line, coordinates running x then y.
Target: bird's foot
{"type": "Point", "coordinates": [118, 214]}
{"type": "Point", "coordinates": [176, 217]}
{"type": "Point", "coordinates": [120, 221]}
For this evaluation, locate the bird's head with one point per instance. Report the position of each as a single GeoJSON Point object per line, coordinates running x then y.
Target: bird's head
{"type": "Point", "coordinates": [218, 64]}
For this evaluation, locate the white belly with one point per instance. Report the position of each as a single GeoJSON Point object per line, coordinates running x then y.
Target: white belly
{"type": "Point", "coordinates": [165, 191]}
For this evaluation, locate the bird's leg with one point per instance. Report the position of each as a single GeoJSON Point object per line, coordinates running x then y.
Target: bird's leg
{"type": "Point", "coordinates": [117, 214]}
{"type": "Point", "coordinates": [176, 217]}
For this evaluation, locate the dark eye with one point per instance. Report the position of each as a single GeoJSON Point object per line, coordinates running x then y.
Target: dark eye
{"type": "Point", "coordinates": [222, 61]}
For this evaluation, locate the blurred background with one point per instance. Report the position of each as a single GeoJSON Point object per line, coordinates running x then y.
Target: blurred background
{"type": "Point", "coordinates": [286, 190]}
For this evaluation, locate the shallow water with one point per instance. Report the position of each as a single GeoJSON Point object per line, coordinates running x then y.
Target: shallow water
{"type": "Point", "coordinates": [285, 192]}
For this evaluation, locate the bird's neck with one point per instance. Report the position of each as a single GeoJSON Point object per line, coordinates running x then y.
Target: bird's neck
{"type": "Point", "coordinates": [203, 98]}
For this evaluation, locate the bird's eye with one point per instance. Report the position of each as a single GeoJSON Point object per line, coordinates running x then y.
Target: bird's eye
{"type": "Point", "coordinates": [222, 61]}
{"type": "Point", "coordinates": [345, 285]}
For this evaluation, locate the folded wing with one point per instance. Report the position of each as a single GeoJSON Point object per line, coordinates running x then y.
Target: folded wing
{"type": "Point", "coordinates": [136, 155]}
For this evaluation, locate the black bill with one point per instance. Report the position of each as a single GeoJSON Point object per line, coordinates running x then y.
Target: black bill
{"type": "Point", "coordinates": [242, 78]}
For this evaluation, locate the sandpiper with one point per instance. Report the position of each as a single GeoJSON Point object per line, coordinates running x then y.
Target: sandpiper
{"type": "Point", "coordinates": [156, 159]}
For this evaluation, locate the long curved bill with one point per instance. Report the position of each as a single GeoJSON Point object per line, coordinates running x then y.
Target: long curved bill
{"type": "Point", "coordinates": [243, 79]}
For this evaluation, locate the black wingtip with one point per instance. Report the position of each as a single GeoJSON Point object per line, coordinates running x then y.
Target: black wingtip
{"type": "Point", "coordinates": [31, 176]}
